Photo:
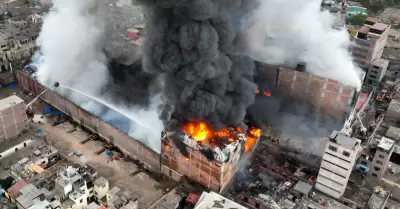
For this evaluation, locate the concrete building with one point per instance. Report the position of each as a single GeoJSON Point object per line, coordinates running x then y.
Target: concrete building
{"type": "Point", "coordinates": [74, 186]}
{"type": "Point", "coordinates": [376, 71]}
{"type": "Point", "coordinates": [382, 157]}
{"type": "Point", "coordinates": [17, 39]}
{"type": "Point", "coordinates": [41, 2]}
{"type": "Point", "coordinates": [214, 170]}
{"type": "Point", "coordinates": [337, 164]}
{"type": "Point", "coordinates": [13, 118]}
{"type": "Point", "coordinates": [214, 200]}
{"type": "Point", "coordinates": [30, 195]}
{"type": "Point", "coordinates": [369, 42]}
{"type": "Point", "coordinates": [393, 111]}
{"type": "Point", "coordinates": [12, 3]}
{"type": "Point", "coordinates": [117, 198]}
{"type": "Point", "coordinates": [101, 187]}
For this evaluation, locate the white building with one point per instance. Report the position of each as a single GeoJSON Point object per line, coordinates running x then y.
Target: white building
{"type": "Point", "coordinates": [376, 71]}
{"type": "Point", "coordinates": [337, 164]}
{"type": "Point", "coordinates": [382, 157]}
{"type": "Point", "coordinates": [214, 200]}
{"type": "Point", "coordinates": [79, 198]}
{"type": "Point", "coordinates": [101, 187]}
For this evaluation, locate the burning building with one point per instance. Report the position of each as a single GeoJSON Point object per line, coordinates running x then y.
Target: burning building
{"type": "Point", "coordinates": [326, 96]}
{"type": "Point", "coordinates": [211, 158]}
{"type": "Point", "coordinates": [208, 157]}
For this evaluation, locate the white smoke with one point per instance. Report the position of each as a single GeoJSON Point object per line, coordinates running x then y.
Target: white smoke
{"type": "Point", "coordinates": [288, 32]}
{"type": "Point", "coordinates": [71, 45]}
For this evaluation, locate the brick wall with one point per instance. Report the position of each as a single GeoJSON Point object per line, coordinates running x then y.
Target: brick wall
{"type": "Point", "coordinates": [212, 174]}
{"type": "Point", "coordinates": [13, 121]}
{"type": "Point", "coordinates": [195, 167]}
{"type": "Point", "coordinates": [127, 144]}
{"type": "Point", "coordinates": [328, 96]}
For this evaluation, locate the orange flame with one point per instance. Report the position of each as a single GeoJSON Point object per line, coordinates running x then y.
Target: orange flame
{"type": "Point", "coordinates": [265, 93]}
{"type": "Point", "coordinates": [252, 136]}
{"type": "Point", "coordinates": [199, 131]}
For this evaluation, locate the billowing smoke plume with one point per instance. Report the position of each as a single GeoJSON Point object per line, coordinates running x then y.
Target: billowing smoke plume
{"type": "Point", "coordinates": [294, 31]}
{"type": "Point", "coordinates": [74, 51]}
{"type": "Point", "coordinates": [191, 47]}
{"type": "Point", "coordinates": [71, 46]}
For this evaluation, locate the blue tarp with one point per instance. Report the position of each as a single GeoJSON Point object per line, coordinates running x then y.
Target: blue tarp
{"type": "Point", "coordinates": [109, 154]}
{"type": "Point", "coordinates": [12, 86]}
{"type": "Point", "coordinates": [38, 131]}
{"type": "Point", "coordinates": [77, 154]}
{"type": "Point", "coordinates": [49, 110]}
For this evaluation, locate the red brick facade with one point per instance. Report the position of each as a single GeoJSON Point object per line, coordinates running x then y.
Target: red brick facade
{"type": "Point", "coordinates": [127, 144]}
{"type": "Point", "coordinates": [328, 96]}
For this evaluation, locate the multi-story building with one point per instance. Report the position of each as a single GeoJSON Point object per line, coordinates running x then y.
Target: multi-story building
{"type": "Point", "coordinates": [337, 164]}
{"type": "Point", "coordinates": [13, 118]}
{"type": "Point", "coordinates": [370, 41]}
{"type": "Point", "coordinates": [12, 3]}
{"type": "Point", "coordinates": [376, 71]}
{"type": "Point", "coordinates": [74, 186]}
{"type": "Point", "coordinates": [17, 40]}
{"type": "Point", "coordinates": [101, 187]}
{"type": "Point", "coordinates": [325, 95]}
{"type": "Point", "coordinates": [382, 157]}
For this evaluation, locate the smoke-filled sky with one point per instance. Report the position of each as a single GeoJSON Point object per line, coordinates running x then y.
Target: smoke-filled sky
{"type": "Point", "coordinates": [71, 46]}
{"type": "Point", "coordinates": [298, 31]}
{"type": "Point", "coordinates": [75, 52]}
{"type": "Point", "coordinates": [191, 48]}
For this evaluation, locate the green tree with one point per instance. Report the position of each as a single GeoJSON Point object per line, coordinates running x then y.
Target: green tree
{"type": "Point", "coordinates": [358, 19]}
{"type": "Point", "coordinates": [6, 183]}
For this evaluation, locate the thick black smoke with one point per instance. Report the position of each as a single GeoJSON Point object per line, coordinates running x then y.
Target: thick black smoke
{"type": "Point", "coordinates": [129, 84]}
{"type": "Point", "coordinates": [191, 47]}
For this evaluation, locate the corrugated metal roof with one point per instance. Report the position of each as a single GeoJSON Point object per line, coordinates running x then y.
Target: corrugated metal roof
{"type": "Point", "coordinates": [303, 187]}
{"type": "Point", "coordinates": [29, 192]}
{"type": "Point", "coordinates": [212, 199]}
{"type": "Point", "coordinates": [14, 190]}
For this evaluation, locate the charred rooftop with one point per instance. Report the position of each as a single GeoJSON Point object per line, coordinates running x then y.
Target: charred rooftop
{"type": "Point", "coordinates": [211, 158]}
